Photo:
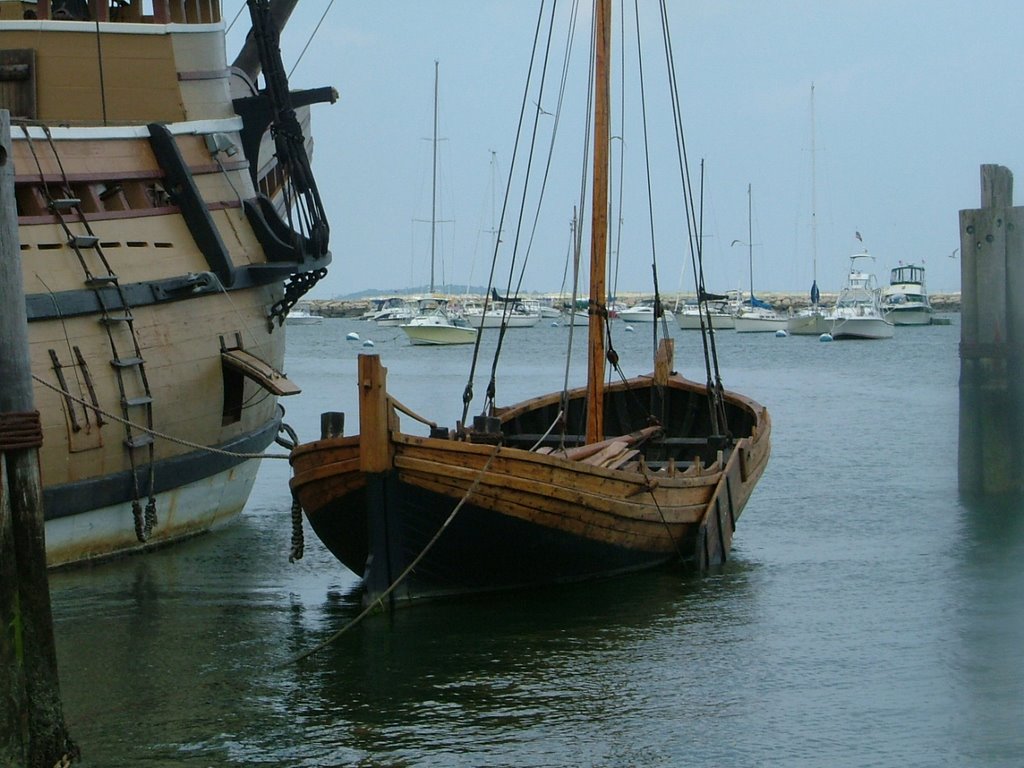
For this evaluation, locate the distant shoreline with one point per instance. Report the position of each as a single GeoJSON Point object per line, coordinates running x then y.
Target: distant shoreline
{"type": "Point", "coordinates": [783, 302]}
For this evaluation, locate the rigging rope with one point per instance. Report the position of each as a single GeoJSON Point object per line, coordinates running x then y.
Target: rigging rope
{"type": "Point", "coordinates": [163, 436]}
{"type": "Point", "coordinates": [492, 384]}
{"type": "Point", "coordinates": [379, 602]}
{"type": "Point", "coordinates": [716, 405]}
{"type": "Point", "coordinates": [467, 395]}
{"type": "Point", "coordinates": [310, 40]}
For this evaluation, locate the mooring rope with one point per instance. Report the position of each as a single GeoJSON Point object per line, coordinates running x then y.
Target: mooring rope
{"type": "Point", "coordinates": [155, 433]}
{"type": "Point", "coordinates": [652, 485]}
{"type": "Point", "coordinates": [379, 602]}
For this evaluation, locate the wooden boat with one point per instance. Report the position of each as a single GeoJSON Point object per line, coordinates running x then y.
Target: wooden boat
{"type": "Point", "coordinates": [573, 485]}
{"type": "Point", "coordinates": [159, 259]}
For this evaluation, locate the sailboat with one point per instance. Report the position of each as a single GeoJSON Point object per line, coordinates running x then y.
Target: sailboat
{"type": "Point", "coordinates": [165, 234]}
{"type": "Point", "coordinates": [435, 324]}
{"type": "Point", "coordinates": [576, 484]}
{"type": "Point", "coordinates": [811, 320]}
{"type": "Point", "coordinates": [757, 316]}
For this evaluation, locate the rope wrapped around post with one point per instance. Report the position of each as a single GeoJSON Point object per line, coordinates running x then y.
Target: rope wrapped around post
{"type": "Point", "coordinates": [20, 431]}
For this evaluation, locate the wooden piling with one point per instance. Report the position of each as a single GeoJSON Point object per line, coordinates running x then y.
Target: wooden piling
{"type": "Point", "coordinates": [991, 338]}
{"type": "Point", "coordinates": [32, 730]}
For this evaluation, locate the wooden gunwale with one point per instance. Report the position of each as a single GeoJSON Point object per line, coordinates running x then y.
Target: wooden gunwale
{"type": "Point", "coordinates": [542, 467]}
{"type": "Point", "coordinates": [557, 491]}
{"type": "Point", "coordinates": [579, 519]}
{"type": "Point", "coordinates": [675, 382]}
{"type": "Point", "coordinates": [649, 535]}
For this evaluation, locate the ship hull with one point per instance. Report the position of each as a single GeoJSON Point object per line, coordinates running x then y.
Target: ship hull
{"type": "Point", "coordinates": [157, 272]}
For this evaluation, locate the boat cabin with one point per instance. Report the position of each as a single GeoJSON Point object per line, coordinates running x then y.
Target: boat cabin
{"type": "Point", "coordinates": [907, 273]}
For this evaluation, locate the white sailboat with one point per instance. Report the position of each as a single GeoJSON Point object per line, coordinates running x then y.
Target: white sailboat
{"type": "Point", "coordinates": [508, 312]}
{"type": "Point", "coordinates": [857, 314]}
{"type": "Point", "coordinates": [645, 312]}
{"type": "Point", "coordinates": [436, 324]}
{"type": "Point", "coordinates": [721, 311]}
{"type": "Point", "coordinates": [811, 320]}
{"type": "Point", "coordinates": [757, 316]}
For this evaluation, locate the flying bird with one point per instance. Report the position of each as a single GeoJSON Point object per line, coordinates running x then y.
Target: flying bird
{"type": "Point", "coordinates": [953, 254]}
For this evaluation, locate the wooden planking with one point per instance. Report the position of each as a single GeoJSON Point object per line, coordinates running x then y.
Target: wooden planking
{"type": "Point", "coordinates": [516, 478]}
{"type": "Point", "coordinates": [17, 83]}
{"type": "Point", "coordinates": [648, 536]}
{"type": "Point", "coordinates": [183, 358]}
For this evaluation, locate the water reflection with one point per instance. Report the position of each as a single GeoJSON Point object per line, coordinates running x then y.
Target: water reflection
{"type": "Point", "coordinates": [186, 652]}
{"type": "Point", "coordinates": [486, 677]}
{"type": "Point", "coordinates": [989, 658]}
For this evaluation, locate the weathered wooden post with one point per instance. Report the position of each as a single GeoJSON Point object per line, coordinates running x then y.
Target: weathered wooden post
{"type": "Point", "coordinates": [991, 338]}
{"type": "Point", "coordinates": [32, 730]}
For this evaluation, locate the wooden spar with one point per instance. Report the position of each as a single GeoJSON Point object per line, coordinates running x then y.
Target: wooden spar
{"type": "Point", "coordinates": [599, 223]}
{"type": "Point", "coordinates": [374, 419]}
{"type": "Point", "coordinates": [248, 59]}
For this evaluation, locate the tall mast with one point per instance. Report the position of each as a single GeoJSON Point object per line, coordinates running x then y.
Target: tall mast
{"type": "Point", "coordinates": [814, 207]}
{"type": "Point", "coordinates": [433, 187]}
{"type": "Point", "coordinates": [750, 247]}
{"type": "Point", "coordinates": [599, 222]}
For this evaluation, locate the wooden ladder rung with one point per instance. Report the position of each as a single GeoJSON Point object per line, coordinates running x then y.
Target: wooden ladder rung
{"type": "Point", "coordinates": [115, 319]}
{"type": "Point", "coordinates": [64, 204]}
{"type": "Point", "coordinates": [83, 241]}
{"type": "Point", "coordinates": [138, 441]}
{"type": "Point", "coordinates": [101, 280]}
{"type": "Point", "coordinates": [127, 362]}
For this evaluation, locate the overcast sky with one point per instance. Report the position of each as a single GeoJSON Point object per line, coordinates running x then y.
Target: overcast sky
{"type": "Point", "coordinates": [910, 99]}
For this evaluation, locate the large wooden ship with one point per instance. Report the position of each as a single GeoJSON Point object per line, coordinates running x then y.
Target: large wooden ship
{"type": "Point", "coordinates": [573, 485]}
{"type": "Point", "coordinates": [164, 237]}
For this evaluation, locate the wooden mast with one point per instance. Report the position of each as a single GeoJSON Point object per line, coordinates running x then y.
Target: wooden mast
{"type": "Point", "coordinates": [599, 223]}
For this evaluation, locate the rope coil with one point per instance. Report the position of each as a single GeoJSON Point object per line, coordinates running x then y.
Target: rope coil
{"type": "Point", "coordinates": [20, 431]}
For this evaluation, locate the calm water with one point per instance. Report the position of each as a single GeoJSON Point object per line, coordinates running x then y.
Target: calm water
{"type": "Point", "coordinates": [869, 617]}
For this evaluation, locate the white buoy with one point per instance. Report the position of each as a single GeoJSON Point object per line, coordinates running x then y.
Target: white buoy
{"type": "Point", "coordinates": [781, 334]}
{"type": "Point", "coordinates": [353, 336]}
{"type": "Point", "coordinates": [554, 323]}
{"type": "Point", "coordinates": [368, 343]}
{"type": "Point", "coordinates": [628, 329]}
{"type": "Point", "coordinates": [825, 337]}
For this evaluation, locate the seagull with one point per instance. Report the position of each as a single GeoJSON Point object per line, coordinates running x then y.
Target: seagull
{"type": "Point", "coordinates": [734, 243]}
{"type": "Point", "coordinates": [953, 254]}
{"type": "Point", "coordinates": [541, 109]}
